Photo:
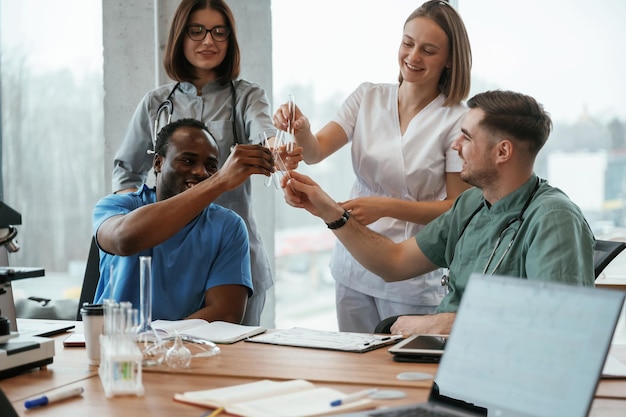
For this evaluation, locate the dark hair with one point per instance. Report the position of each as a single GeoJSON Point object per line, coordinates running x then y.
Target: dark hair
{"type": "Point", "coordinates": [165, 134]}
{"type": "Point", "coordinates": [174, 61]}
{"type": "Point", "coordinates": [514, 114]}
{"type": "Point", "coordinates": [455, 81]}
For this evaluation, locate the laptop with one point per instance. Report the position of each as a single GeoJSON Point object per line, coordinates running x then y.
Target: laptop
{"type": "Point", "coordinates": [521, 348]}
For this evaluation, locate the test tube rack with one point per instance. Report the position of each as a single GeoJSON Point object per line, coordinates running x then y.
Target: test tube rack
{"type": "Point", "coordinates": [120, 358]}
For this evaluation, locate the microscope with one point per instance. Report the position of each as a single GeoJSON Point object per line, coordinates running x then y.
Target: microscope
{"type": "Point", "coordinates": [10, 218]}
{"type": "Point", "coordinates": [8, 232]}
{"type": "Point", "coordinates": [18, 353]}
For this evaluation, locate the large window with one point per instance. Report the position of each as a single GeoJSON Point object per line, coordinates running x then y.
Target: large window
{"type": "Point", "coordinates": [52, 136]}
{"type": "Point", "coordinates": [320, 60]}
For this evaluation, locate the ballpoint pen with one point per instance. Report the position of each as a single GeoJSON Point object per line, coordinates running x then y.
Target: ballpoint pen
{"type": "Point", "coordinates": [53, 397]}
{"type": "Point", "coordinates": [353, 397]}
{"type": "Point", "coordinates": [377, 340]}
{"type": "Point", "coordinates": [213, 413]}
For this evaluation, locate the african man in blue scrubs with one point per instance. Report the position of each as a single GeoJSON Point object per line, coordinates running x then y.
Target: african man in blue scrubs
{"type": "Point", "coordinates": [200, 250]}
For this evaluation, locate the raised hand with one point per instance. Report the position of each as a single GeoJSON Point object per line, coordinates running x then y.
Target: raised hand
{"type": "Point", "coordinates": [301, 191]}
{"type": "Point", "coordinates": [244, 161]}
{"type": "Point", "coordinates": [286, 118]}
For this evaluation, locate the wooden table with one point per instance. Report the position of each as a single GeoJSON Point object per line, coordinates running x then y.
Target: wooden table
{"type": "Point", "coordinates": [257, 360]}
{"type": "Point", "coordinates": [237, 364]}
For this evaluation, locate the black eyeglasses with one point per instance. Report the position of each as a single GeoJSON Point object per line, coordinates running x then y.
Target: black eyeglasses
{"type": "Point", "coordinates": [198, 33]}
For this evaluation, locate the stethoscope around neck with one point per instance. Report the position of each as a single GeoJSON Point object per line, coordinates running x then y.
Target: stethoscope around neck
{"type": "Point", "coordinates": [445, 279]}
{"type": "Point", "coordinates": [166, 110]}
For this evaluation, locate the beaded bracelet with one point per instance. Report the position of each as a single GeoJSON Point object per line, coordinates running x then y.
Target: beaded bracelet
{"type": "Point", "coordinates": [338, 223]}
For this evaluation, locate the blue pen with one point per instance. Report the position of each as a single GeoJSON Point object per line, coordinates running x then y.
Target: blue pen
{"type": "Point", "coordinates": [53, 397]}
{"type": "Point", "coordinates": [353, 397]}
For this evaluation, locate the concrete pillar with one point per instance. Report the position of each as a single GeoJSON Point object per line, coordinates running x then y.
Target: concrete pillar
{"type": "Point", "coordinates": [134, 36]}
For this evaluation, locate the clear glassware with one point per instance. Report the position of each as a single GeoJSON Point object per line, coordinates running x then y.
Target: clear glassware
{"type": "Point", "coordinates": [147, 338]}
{"type": "Point", "coordinates": [120, 361]}
{"type": "Point", "coordinates": [290, 141]}
{"type": "Point", "coordinates": [198, 347]}
{"type": "Point", "coordinates": [274, 140]}
{"type": "Point", "coordinates": [178, 356]}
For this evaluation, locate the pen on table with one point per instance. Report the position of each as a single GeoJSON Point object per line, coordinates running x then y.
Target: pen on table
{"type": "Point", "coordinates": [383, 339]}
{"type": "Point", "coordinates": [353, 397]}
{"type": "Point", "coordinates": [213, 413]}
{"type": "Point", "coordinates": [53, 397]}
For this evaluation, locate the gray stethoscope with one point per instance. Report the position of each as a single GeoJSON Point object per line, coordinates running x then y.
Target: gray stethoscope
{"type": "Point", "coordinates": [167, 109]}
{"type": "Point", "coordinates": [445, 279]}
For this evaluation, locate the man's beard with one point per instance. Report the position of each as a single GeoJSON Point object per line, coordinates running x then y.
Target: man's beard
{"type": "Point", "coordinates": [480, 179]}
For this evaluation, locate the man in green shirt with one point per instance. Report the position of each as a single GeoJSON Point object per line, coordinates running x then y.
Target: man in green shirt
{"type": "Point", "coordinates": [511, 223]}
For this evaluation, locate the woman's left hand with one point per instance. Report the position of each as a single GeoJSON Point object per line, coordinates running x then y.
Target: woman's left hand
{"type": "Point", "coordinates": [365, 210]}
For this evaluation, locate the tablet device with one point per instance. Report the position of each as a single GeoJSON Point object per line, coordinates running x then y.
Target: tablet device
{"type": "Point", "coordinates": [420, 348]}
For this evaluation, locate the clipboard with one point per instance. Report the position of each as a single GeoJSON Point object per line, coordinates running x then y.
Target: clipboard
{"type": "Point", "coordinates": [324, 339]}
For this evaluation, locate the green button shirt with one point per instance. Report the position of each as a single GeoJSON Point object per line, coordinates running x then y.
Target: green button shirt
{"type": "Point", "coordinates": [553, 243]}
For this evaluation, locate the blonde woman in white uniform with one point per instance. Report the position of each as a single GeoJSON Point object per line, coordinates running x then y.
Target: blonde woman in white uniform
{"type": "Point", "coordinates": [406, 172]}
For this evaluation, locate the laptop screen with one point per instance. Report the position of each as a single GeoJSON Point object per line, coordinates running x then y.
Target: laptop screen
{"type": "Point", "coordinates": [544, 362]}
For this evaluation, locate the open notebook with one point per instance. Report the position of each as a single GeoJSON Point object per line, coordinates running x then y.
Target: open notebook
{"type": "Point", "coordinates": [521, 348]}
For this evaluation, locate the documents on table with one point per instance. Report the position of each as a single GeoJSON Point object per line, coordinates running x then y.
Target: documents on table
{"type": "Point", "coordinates": [323, 339]}
{"type": "Point", "coordinates": [265, 398]}
{"type": "Point", "coordinates": [215, 331]}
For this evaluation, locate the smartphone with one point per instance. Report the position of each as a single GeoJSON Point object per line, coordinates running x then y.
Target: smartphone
{"type": "Point", "coordinates": [74, 340]}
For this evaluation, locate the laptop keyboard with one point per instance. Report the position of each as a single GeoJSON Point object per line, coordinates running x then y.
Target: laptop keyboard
{"type": "Point", "coordinates": [408, 412]}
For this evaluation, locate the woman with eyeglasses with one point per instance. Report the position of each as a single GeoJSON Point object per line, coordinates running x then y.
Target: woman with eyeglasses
{"type": "Point", "coordinates": [202, 56]}
{"type": "Point", "coordinates": [406, 171]}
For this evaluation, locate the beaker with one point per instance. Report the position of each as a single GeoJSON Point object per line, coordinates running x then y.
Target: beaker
{"type": "Point", "coordinates": [146, 337]}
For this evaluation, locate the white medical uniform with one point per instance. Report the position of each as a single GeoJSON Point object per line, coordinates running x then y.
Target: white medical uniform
{"type": "Point", "coordinates": [387, 163]}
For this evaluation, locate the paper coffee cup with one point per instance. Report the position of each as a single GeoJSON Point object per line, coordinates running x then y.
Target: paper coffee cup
{"type": "Point", "coordinates": [93, 324]}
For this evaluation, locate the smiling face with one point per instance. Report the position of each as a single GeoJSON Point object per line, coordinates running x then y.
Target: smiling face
{"type": "Point", "coordinates": [476, 148]}
{"type": "Point", "coordinates": [191, 157]}
{"type": "Point", "coordinates": [207, 54]}
{"type": "Point", "coordinates": [424, 52]}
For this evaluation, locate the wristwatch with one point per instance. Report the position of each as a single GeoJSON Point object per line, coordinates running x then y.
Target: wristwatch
{"type": "Point", "coordinates": [338, 223]}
